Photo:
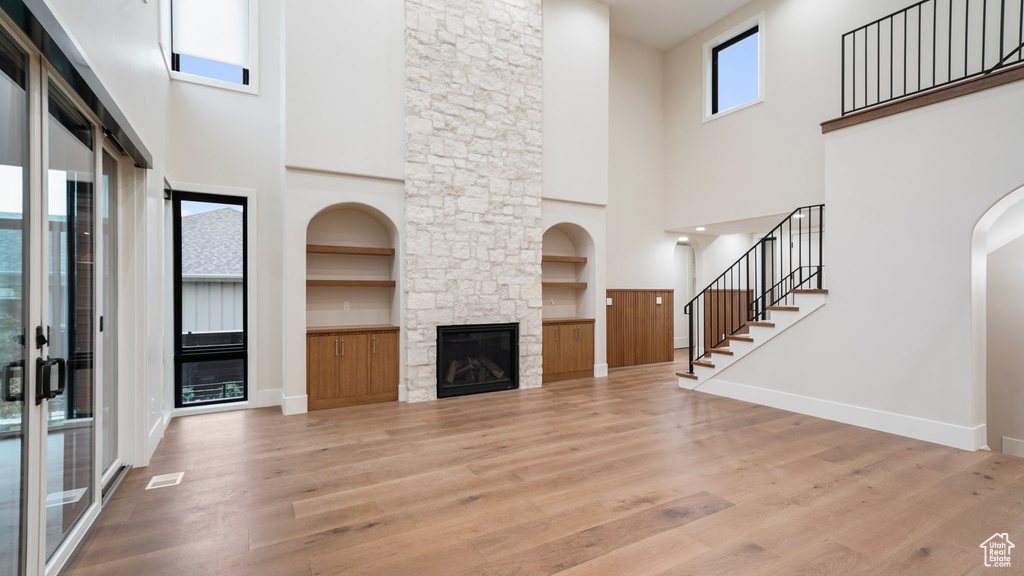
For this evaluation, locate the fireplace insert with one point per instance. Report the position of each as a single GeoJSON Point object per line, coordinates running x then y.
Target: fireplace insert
{"type": "Point", "coordinates": [477, 358]}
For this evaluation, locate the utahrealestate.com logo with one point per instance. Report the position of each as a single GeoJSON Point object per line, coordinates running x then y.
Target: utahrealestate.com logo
{"type": "Point", "coordinates": [997, 550]}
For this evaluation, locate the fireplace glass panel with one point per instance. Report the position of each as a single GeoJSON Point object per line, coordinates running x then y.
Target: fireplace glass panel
{"type": "Point", "coordinates": [477, 359]}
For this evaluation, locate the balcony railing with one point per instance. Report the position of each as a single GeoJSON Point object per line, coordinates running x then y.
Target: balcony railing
{"type": "Point", "coordinates": [929, 45]}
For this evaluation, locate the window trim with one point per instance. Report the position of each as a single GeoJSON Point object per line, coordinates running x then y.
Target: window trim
{"type": "Point", "coordinates": [169, 56]}
{"type": "Point", "coordinates": [721, 42]}
{"type": "Point", "coordinates": [228, 352]}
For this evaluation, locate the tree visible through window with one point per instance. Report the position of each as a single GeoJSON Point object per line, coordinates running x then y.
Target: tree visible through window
{"type": "Point", "coordinates": [735, 71]}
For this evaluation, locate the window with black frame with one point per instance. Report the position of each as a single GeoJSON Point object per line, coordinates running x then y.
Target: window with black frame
{"type": "Point", "coordinates": [735, 71]}
{"type": "Point", "coordinates": [210, 299]}
{"type": "Point", "coordinates": [211, 39]}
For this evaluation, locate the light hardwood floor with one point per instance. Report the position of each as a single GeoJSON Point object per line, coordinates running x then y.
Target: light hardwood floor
{"type": "Point", "coordinates": [620, 476]}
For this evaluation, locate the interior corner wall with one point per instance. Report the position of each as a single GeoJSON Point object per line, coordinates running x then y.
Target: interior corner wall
{"type": "Point", "coordinates": [912, 283]}
{"type": "Point", "coordinates": [227, 141]}
{"type": "Point", "coordinates": [592, 219]}
{"type": "Point", "coordinates": [308, 195]}
{"type": "Point", "coordinates": [576, 100]}
{"type": "Point", "coordinates": [1005, 364]}
{"type": "Point", "coordinates": [345, 74]}
{"type": "Point", "coordinates": [768, 158]}
{"type": "Point", "coordinates": [640, 250]}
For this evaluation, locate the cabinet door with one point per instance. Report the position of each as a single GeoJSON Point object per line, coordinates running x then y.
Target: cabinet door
{"type": "Point", "coordinates": [323, 359]}
{"type": "Point", "coordinates": [550, 350]}
{"type": "Point", "coordinates": [585, 347]}
{"type": "Point", "coordinates": [384, 364]}
{"type": "Point", "coordinates": [567, 345]}
{"type": "Point", "coordinates": [355, 364]}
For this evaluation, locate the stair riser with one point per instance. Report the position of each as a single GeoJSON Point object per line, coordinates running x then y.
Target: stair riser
{"type": "Point", "coordinates": [808, 303]}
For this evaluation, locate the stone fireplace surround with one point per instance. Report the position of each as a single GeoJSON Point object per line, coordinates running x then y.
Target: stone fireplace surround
{"type": "Point", "coordinates": [473, 177]}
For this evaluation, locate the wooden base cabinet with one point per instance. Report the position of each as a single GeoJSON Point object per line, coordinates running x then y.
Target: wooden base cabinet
{"type": "Point", "coordinates": [349, 366]}
{"type": "Point", "coordinates": [568, 349]}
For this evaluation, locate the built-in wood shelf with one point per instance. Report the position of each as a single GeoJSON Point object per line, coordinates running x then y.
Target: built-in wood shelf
{"type": "Point", "coordinates": [564, 259]}
{"type": "Point", "coordinates": [352, 250]}
{"type": "Point", "coordinates": [352, 283]}
{"type": "Point", "coordinates": [564, 284]}
{"type": "Point", "coordinates": [354, 329]}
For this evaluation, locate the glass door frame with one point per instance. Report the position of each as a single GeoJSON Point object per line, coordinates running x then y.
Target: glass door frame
{"type": "Point", "coordinates": [41, 75]}
{"type": "Point", "coordinates": [47, 78]}
{"type": "Point", "coordinates": [228, 352]}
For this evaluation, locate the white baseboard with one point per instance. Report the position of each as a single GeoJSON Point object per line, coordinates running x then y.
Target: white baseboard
{"type": "Point", "coordinates": [293, 404]}
{"type": "Point", "coordinates": [962, 437]}
{"type": "Point", "coordinates": [600, 370]}
{"type": "Point", "coordinates": [1013, 447]}
{"type": "Point", "coordinates": [265, 398]}
{"type": "Point", "coordinates": [681, 342]}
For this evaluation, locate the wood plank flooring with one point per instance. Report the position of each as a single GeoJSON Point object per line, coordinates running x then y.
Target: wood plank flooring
{"type": "Point", "coordinates": [620, 476]}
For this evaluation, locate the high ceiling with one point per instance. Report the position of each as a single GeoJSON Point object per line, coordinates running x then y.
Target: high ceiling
{"type": "Point", "coordinates": [662, 24]}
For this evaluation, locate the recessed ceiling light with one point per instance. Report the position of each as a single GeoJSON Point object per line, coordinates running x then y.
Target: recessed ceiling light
{"type": "Point", "coordinates": [701, 229]}
{"type": "Point", "coordinates": [684, 239]}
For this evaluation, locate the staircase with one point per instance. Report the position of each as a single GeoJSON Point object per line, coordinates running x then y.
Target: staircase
{"type": "Point", "coordinates": [777, 283]}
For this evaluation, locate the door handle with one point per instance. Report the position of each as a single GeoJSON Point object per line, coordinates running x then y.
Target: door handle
{"type": "Point", "coordinates": [374, 345]}
{"type": "Point", "coordinates": [9, 369]}
{"type": "Point", "coordinates": [44, 375]}
{"type": "Point", "coordinates": [342, 347]}
{"type": "Point", "coordinates": [556, 333]}
{"type": "Point", "coordinates": [335, 347]}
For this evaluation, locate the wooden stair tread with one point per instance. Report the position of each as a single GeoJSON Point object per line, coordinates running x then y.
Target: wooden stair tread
{"type": "Point", "coordinates": [741, 338]}
{"type": "Point", "coordinates": [687, 375]}
{"type": "Point", "coordinates": [783, 308]}
{"type": "Point", "coordinates": [808, 291]}
{"type": "Point", "coordinates": [722, 352]}
{"type": "Point", "coordinates": [762, 324]}
{"type": "Point", "coordinates": [703, 363]}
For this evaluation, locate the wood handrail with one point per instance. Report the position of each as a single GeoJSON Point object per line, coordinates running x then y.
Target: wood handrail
{"type": "Point", "coordinates": [976, 84]}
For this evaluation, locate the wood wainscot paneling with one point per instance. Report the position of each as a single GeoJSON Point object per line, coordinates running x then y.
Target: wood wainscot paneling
{"type": "Point", "coordinates": [640, 331]}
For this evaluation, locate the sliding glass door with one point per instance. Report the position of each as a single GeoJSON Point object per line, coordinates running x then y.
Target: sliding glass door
{"type": "Point", "coordinates": [14, 274]}
{"type": "Point", "coordinates": [58, 264]}
{"type": "Point", "coordinates": [210, 299]}
{"type": "Point", "coordinates": [68, 376]}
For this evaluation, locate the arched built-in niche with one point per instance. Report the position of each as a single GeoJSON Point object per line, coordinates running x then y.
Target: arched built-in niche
{"type": "Point", "coordinates": [351, 268]}
{"type": "Point", "coordinates": [998, 271]}
{"type": "Point", "coordinates": [569, 281]}
{"type": "Point", "coordinates": [568, 272]}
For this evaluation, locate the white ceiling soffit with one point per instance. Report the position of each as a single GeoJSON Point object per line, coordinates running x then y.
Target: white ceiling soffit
{"type": "Point", "coordinates": [758, 226]}
{"type": "Point", "coordinates": [663, 24]}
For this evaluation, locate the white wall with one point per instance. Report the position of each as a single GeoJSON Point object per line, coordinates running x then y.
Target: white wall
{"type": "Point", "coordinates": [768, 158]}
{"type": "Point", "coordinates": [228, 142]}
{"type": "Point", "coordinates": [640, 251]}
{"type": "Point", "coordinates": [1005, 363]}
{"type": "Point", "coordinates": [308, 195]}
{"type": "Point", "coordinates": [576, 44]}
{"type": "Point", "coordinates": [345, 67]}
{"type": "Point", "coordinates": [895, 338]}
{"type": "Point", "coordinates": [716, 254]}
{"type": "Point", "coordinates": [582, 223]}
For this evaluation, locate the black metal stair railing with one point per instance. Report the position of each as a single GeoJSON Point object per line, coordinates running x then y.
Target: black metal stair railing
{"type": "Point", "coordinates": [788, 258]}
{"type": "Point", "coordinates": [928, 45]}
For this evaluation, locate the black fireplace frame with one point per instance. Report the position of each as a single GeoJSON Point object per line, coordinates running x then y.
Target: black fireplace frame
{"type": "Point", "coordinates": [446, 392]}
